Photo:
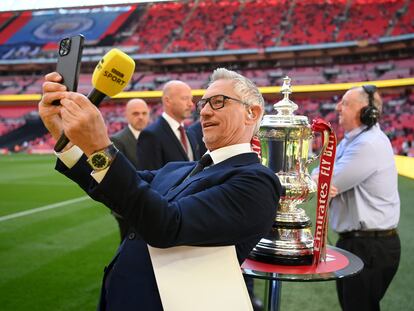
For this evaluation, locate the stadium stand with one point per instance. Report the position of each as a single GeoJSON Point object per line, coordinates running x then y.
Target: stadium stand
{"type": "Point", "coordinates": [403, 23]}
{"type": "Point", "coordinates": [214, 25]}
{"type": "Point", "coordinates": [346, 40]}
{"type": "Point", "coordinates": [154, 30]}
{"type": "Point", "coordinates": [147, 80]}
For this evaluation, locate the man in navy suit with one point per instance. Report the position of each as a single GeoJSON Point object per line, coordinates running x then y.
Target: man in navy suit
{"type": "Point", "coordinates": [162, 141]}
{"type": "Point", "coordinates": [233, 202]}
{"type": "Point", "coordinates": [137, 115]}
{"type": "Point", "coordinates": [196, 130]}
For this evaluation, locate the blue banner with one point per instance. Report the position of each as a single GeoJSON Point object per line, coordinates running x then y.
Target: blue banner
{"type": "Point", "coordinates": [52, 28]}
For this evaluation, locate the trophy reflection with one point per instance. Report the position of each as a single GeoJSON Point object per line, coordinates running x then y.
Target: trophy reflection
{"type": "Point", "coordinates": [285, 140]}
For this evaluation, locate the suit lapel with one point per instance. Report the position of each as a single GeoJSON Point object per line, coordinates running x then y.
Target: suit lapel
{"type": "Point", "coordinates": [217, 169]}
{"type": "Point", "coordinates": [173, 179]}
{"type": "Point", "coordinates": [132, 142]}
{"type": "Point", "coordinates": [195, 147]}
{"type": "Point", "coordinates": [172, 138]}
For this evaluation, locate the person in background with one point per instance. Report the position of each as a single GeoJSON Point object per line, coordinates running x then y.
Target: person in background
{"type": "Point", "coordinates": [230, 203]}
{"type": "Point", "coordinates": [137, 115]}
{"type": "Point", "coordinates": [365, 204]}
{"type": "Point", "coordinates": [166, 140]}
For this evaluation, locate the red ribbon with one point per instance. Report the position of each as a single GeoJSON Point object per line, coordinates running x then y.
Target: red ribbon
{"type": "Point", "coordinates": [256, 147]}
{"type": "Point", "coordinates": [326, 167]}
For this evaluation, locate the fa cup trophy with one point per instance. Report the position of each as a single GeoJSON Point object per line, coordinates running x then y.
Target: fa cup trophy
{"type": "Point", "coordinates": [285, 141]}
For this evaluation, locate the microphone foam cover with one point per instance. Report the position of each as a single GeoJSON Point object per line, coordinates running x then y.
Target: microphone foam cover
{"type": "Point", "coordinates": [113, 72]}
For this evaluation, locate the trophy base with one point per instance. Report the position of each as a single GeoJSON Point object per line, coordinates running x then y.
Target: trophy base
{"type": "Point", "coordinates": [291, 245]}
{"type": "Point", "coordinates": [282, 259]}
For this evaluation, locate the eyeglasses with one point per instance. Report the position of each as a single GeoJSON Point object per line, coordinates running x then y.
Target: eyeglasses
{"type": "Point", "coordinates": [370, 89]}
{"type": "Point", "coordinates": [216, 102]}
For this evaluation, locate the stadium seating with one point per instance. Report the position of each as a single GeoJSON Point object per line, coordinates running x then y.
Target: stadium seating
{"type": "Point", "coordinates": [157, 26]}
{"type": "Point", "coordinates": [211, 25]}
{"type": "Point", "coordinates": [214, 25]}
{"type": "Point", "coordinates": [397, 120]}
{"type": "Point", "coordinates": [145, 80]}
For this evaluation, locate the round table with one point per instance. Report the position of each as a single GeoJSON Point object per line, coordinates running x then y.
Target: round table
{"type": "Point", "coordinates": [339, 264]}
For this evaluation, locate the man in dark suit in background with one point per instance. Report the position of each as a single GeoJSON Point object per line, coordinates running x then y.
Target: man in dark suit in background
{"type": "Point", "coordinates": [137, 115]}
{"type": "Point", "coordinates": [166, 140]}
{"type": "Point", "coordinates": [230, 203]}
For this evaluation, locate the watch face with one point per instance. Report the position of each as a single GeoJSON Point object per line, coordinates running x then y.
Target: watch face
{"type": "Point", "coordinates": [99, 160]}
{"type": "Point", "coordinates": [102, 159]}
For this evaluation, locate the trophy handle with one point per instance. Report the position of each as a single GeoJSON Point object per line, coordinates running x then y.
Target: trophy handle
{"type": "Point", "coordinates": [325, 144]}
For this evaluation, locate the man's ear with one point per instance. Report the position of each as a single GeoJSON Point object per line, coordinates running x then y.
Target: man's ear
{"type": "Point", "coordinates": [253, 113]}
{"type": "Point", "coordinates": [167, 102]}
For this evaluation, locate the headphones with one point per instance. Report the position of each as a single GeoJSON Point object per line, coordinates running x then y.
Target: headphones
{"type": "Point", "coordinates": [369, 114]}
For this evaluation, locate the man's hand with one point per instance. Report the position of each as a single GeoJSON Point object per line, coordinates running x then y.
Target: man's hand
{"type": "Point", "coordinates": [83, 123]}
{"type": "Point", "coordinates": [50, 114]}
{"type": "Point", "coordinates": [333, 191]}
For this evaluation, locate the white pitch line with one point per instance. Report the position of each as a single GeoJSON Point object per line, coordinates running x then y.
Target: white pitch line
{"type": "Point", "coordinates": [42, 208]}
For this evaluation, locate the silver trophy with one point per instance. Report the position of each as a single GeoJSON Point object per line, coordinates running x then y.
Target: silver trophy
{"type": "Point", "coordinates": [285, 141]}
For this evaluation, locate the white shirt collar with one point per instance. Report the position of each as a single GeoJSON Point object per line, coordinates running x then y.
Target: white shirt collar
{"type": "Point", "coordinates": [172, 122]}
{"type": "Point", "coordinates": [224, 153]}
{"type": "Point", "coordinates": [134, 131]}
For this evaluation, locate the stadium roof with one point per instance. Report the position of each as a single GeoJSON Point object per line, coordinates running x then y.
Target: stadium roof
{"type": "Point", "coordinates": [19, 5]}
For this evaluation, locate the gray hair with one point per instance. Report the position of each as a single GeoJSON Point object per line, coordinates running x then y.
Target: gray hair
{"type": "Point", "coordinates": [246, 89]}
{"type": "Point", "coordinates": [377, 101]}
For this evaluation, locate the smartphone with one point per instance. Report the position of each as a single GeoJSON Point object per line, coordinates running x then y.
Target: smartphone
{"type": "Point", "coordinates": [69, 61]}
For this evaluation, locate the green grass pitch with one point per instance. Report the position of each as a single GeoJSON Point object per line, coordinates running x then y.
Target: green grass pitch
{"type": "Point", "coordinates": [53, 259]}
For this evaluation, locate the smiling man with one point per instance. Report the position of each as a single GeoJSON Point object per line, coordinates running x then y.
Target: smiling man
{"type": "Point", "coordinates": [233, 202]}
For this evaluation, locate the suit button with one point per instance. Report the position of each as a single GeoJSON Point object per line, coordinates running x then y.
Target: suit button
{"type": "Point", "coordinates": [131, 236]}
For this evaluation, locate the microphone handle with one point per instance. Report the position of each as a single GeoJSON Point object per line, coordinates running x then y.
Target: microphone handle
{"type": "Point", "coordinates": [96, 98]}
{"type": "Point", "coordinates": [61, 143]}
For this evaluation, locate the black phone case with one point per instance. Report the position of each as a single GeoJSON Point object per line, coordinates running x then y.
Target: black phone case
{"type": "Point", "coordinates": [69, 61]}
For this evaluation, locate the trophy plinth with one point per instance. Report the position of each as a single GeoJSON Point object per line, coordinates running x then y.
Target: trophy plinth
{"type": "Point", "coordinates": [285, 140]}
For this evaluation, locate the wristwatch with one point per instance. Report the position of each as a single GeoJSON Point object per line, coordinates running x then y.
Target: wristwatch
{"type": "Point", "coordinates": [101, 159]}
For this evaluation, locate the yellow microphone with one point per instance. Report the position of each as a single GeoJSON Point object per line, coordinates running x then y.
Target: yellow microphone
{"type": "Point", "coordinates": [111, 75]}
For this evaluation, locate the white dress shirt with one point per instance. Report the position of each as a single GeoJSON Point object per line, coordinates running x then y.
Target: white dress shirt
{"type": "Point", "coordinates": [134, 131]}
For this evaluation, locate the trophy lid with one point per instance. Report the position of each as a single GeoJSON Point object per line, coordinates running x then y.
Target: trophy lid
{"type": "Point", "coordinates": [285, 108]}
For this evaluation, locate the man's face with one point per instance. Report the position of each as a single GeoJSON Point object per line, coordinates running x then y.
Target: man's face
{"type": "Point", "coordinates": [179, 102]}
{"type": "Point", "coordinates": [225, 126]}
{"type": "Point", "coordinates": [137, 114]}
{"type": "Point", "coordinates": [349, 110]}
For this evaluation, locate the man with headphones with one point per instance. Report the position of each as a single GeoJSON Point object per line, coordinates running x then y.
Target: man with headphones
{"type": "Point", "coordinates": [365, 205]}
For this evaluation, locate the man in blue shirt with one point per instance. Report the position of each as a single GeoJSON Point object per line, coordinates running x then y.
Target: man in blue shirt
{"type": "Point", "coordinates": [365, 206]}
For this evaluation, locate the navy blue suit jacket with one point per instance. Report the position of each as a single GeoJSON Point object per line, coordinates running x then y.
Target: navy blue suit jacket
{"type": "Point", "coordinates": [196, 131]}
{"type": "Point", "coordinates": [157, 145]}
{"type": "Point", "coordinates": [231, 203]}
